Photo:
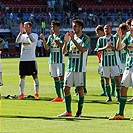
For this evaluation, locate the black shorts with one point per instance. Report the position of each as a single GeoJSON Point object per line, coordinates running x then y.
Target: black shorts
{"type": "Point", "coordinates": [28, 68]}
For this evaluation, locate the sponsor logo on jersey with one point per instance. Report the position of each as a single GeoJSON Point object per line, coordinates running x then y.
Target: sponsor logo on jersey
{"type": "Point", "coordinates": [26, 43]}
{"type": "Point", "coordinates": [130, 48]}
{"type": "Point", "coordinates": [74, 48]}
{"type": "Point", "coordinates": [54, 44]}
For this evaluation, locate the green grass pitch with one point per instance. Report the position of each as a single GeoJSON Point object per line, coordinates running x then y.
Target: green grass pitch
{"type": "Point", "coordinates": [40, 116]}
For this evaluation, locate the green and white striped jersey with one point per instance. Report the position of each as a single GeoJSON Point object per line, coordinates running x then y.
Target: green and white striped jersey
{"type": "Point", "coordinates": [128, 40]}
{"type": "Point", "coordinates": [122, 53]}
{"type": "Point", "coordinates": [56, 55]}
{"type": "Point", "coordinates": [108, 57]}
{"type": "Point", "coordinates": [76, 60]}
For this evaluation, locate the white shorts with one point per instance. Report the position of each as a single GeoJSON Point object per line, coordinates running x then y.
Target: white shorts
{"type": "Point", "coordinates": [99, 68]}
{"type": "Point", "coordinates": [110, 71]}
{"type": "Point", "coordinates": [74, 79]}
{"type": "Point", "coordinates": [127, 78]}
{"type": "Point", "coordinates": [56, 70]}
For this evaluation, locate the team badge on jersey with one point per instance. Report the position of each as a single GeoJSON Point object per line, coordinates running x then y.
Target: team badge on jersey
{"type": "Point", "coordinates": [130, 48]}
{"type": "Point", "coordinates": [54, 44]}
{"type": "Point", "coordinates": [74, 48]}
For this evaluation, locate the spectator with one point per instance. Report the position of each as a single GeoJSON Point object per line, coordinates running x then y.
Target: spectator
{"type": "Point", "coordinates": [17, 47]}
{"type": "Point", "coordinates": [43, 26]}
{"type": "Point", "coordinates": [39, 47]}
{"type": "Point", "coordinates": [6, 50]}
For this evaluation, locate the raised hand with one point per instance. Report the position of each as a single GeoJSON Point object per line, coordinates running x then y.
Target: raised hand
{"type": "Point", "coordinates": [109, 46]}
{"type": "Point", "coordinates": [67, 37]}
{"type": "Point", "coordinates": [119, 32]}
{"type": "Point", "coordinates": [42, 36]}
{"type": "Point", "coordinates": [21, 28]}
{"type": "Point", "coordinates": [51, 33]}
{"type": "Point", "coordinates": [71, 35]}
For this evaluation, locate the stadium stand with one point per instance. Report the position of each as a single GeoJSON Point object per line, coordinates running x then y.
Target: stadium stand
{"type": "Point", "coordinates": [24, 5]}
{"type": "Point", "coordinates": [105, 5]}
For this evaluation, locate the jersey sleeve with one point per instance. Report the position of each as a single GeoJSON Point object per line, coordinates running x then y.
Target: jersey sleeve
{"type": "Point", "coordinates": [87, 42]}
{"type": "Point", "coordinates": [98, 45]}
{"type": "Point", "coordinates": [61, 40]}
{"type": "Point", "coordinates": [35, 36]}
{"type": "Point", "coordinates": [125, 41]}
{"type": "Point", "coordinates": [48, 40]}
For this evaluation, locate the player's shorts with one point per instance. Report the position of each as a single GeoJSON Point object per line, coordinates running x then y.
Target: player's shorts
{"type": "Point", "coordinates": [110, 71]}
{"type": "Point", "coordinates": [57, 70]}
{"type": "Point", "coordinates": [99, 68]}
{"type": "Point", "coordinates": [127, 78]}
{"type": "Point", "coordinates": [28, 68]}
{"type": "Point", "coordinates": [74, 79]}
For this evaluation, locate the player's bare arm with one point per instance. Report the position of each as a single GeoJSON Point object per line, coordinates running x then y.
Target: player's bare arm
{"type": "Point", "coordinates": [118, 43]}
{"type": "Point", "coordinates": [58, 43]}
{"type": "Point", "coordinates": [108, 46]}
{"type": "Point", "coordinates": [44, 42]}
{"type": "Point", "coordinates": [80, 48]}
{"type": "Point", "coordinates": [20, 33]}
{"type": "Point", "coordinates": [64, 48]}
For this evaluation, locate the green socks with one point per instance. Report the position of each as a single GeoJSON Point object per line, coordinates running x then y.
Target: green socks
{"type": "Point", "coordinates": [102, 84]}
{"type": "Point", "coordinates": [113, 86]}
{"type": "Point", "coordinates": [57, 87]}
{"type": "Point", "coordinates": [80, 103]}
{"type": "Point", "coordinates": [121, 106]}
{"type": "Point", "coordinates": [61, 86]}
{"type": "Point", "coordinates": [118, 92]}
{"type": "Point", "coordinates": [68, 102]}
{"type": "Point", "coordinates": [107, 88]}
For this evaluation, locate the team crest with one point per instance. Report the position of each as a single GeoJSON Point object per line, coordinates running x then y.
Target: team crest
{"type": "Point", "coordinates": [54, 44]}
{"type": "Point", "coordinates": [74, 48]}
{"type": "Point", "coordinates": [110, 47]}
{"type": "Point", "coordinates": [130, 48]}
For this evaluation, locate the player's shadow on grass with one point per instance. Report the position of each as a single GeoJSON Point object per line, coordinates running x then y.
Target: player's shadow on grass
{"type": "Point", "coordinates": [97, 101]}
{"type": "Point", "coordinates": [27, 98]}
{"type": "Point", "coordinates": [57, 118]}
{"type": "Point", "coordinates": [74, 101]}
{"type": "Point", "coordinates": [97, 117]}
{"type": "Point", "coordinates": [45, 118]}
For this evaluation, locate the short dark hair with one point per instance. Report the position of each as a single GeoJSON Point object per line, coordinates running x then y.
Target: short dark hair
{"type": "Point", "coordinates": [128, 22]}
{"type": "Point", "coordinates": [99, 27]}
{"type": "Point", "coordinates": [54, 22]}
{"type": "Point", "coordinates": [107, 25]}
{"type": "Point", "coordinates": [123, 26]}
{"type": "Point", "coordinates": [79, 22]}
